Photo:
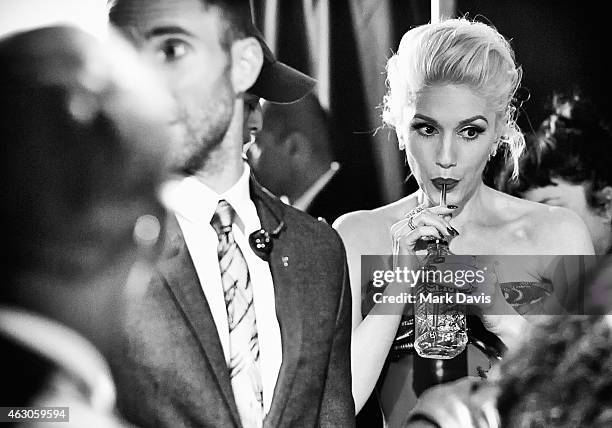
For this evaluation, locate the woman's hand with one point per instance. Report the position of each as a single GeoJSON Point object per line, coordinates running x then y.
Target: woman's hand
{"type": "Point", "coordinates": [421, 223]}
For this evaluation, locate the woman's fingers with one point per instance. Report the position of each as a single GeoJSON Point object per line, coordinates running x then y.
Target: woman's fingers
{"type": "Point", "coordinates": [446, 214]}
{"type": "Point", "coordinates": [405, 227]}
{"type": "Point", "coordinates": [424, 224]}
{"type": "Point", "coordinates": [407, 241]}
{"type": "Point", "coordinates": [441, 210]}
{"type": "Point", "coordinates": [431, 219]}
{"type": "Point", "coordinates": [426, 232]}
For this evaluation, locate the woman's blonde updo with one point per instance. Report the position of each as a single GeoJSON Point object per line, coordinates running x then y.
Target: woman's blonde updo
{"type": "Point", "coordinates": [455, 51]}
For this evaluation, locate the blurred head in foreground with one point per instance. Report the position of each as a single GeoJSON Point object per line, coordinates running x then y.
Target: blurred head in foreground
{"type": "Point", "coordinates": [85, 136]}
{"type": "Point", "coordinates": [561, 377]}
{"type": "Point", "coordinates": [567, 163]}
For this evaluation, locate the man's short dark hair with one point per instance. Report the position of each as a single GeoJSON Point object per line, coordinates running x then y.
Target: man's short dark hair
{"type": "Point", "coordinates": [236, 15]}
{"type": "Point", "coordinates": [573, 144]}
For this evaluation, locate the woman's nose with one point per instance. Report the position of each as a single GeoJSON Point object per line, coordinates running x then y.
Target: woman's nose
{"type": "Point", "coordinates": [446, 156]}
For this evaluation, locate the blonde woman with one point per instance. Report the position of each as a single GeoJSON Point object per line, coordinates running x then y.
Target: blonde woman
{"type": "Point", "coordinates": [450, 101]}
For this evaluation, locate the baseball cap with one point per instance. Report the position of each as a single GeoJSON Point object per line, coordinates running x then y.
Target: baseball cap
{"type": "Point", "coordinates": [277, 82]}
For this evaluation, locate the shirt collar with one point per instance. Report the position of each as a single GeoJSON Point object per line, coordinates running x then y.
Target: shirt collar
{"type": "Point", "coordinates": [196, 202]}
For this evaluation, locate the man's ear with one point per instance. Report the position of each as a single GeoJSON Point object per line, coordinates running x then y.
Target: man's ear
{"type": "Point", "coordinates": [296, 145]}
{"type": "Point", "coordinates": [247, 60]}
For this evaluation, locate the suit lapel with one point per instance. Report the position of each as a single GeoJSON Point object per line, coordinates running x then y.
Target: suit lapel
{"type": "Point", "coordinates": [287, 296]}
{"type": "Point", "coordinates": [178, 269]}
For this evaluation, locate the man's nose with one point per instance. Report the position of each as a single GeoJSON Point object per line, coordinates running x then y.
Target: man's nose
{"type": "Point", "coordinates": [255, 119]}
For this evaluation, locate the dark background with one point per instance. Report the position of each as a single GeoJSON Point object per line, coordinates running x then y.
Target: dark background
{"type": "Point", "coordinates": [561, 45]}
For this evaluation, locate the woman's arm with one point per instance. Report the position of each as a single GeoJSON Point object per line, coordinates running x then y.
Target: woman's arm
{"type": "Point", "coordinates": [365, 233]}
{"type": "Point", "coordinates": [372, 337]}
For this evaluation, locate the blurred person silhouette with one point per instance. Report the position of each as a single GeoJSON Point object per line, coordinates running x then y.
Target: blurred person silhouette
{"type": "Point", "coordinates": [567, 163]}
{"type": "Point", "coordinates": [560, 376]}
{"type": "Point", "coordinates": [84, 154]}
{"type": "Point", "coordinates": [247, 322]}
{"type": "Point", "coordinates": [253, 120]}
{"type": "Point", "coordinates": [292, 157]}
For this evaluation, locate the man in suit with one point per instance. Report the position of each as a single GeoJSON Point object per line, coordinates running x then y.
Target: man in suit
{"type": "Point", "coordinates": [79, 176]}
{"type": "Point", "coordinates": [231, 334]}
{"type": "Point", "coordinates": [292, 157]}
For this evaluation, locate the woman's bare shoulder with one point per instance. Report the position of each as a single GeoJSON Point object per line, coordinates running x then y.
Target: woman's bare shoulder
{"type": "Point", "coordinates": [562, 231]}
{"type": "Point", "coordinates": [372, 225]}
{"type": "Point", "coordinates": [552, 230]}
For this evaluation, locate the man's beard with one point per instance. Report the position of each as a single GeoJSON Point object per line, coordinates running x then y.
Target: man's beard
{"type": "Point", "coordinates": [205, 127]}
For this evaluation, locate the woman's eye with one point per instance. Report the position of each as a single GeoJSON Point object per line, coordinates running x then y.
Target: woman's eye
{"type": "Point", "coordinates": [424, 129]}
{"type": "Point", "coordinates": [173, 50]}
{"type": "Point", "coordinates": [471, 132]}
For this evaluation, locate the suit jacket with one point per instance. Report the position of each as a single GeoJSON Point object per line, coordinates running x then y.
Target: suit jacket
{"type": "Point", "coordinates": [171, 371]}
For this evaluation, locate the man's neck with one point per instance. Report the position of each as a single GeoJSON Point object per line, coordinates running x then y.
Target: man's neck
{"type": "Point", "coordinates": [223, 173]}
{"type": "Point", "coordinates": [225, 164]}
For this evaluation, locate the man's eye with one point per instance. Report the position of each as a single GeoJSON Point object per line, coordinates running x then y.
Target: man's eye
{"type": "Point", "coordinates": [173, 50]}
{"type": "Point", "coordinates": [471, 132]}
{"type": "Point", "coordinates": [251, 103]}
{"type": "Point", "coordinates": [424, 129]}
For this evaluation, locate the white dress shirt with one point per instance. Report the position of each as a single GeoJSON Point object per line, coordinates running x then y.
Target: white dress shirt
{"type": "Point", "coordinates": [194, 204]}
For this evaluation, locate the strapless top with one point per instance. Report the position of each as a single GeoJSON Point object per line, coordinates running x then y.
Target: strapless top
{"type": "Point", "coordinates": [526, 297]}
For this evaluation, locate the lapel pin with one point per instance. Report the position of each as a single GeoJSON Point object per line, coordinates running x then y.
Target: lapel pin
{"type": "Point", "coordinates": [285, 261]}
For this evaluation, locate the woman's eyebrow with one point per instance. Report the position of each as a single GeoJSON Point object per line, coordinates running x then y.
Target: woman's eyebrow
{"type": "Point", "coordinates": [426, 118]}
{"type": "Point", "coordinates": [461, 123]}
{"type": "Point", "coordinates": [472, 119]}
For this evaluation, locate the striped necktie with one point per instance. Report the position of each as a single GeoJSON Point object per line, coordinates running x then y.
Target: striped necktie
{"type": "Point", "coordinates": [244, 344]}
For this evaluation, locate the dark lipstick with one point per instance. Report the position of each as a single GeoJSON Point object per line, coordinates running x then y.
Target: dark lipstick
{"type": "Point", "coordinates": [440, 183]}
